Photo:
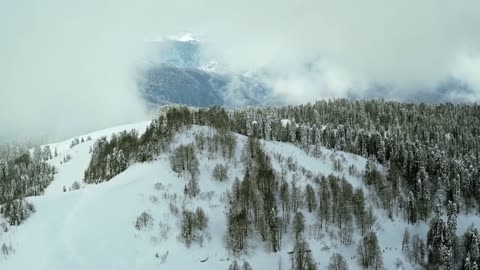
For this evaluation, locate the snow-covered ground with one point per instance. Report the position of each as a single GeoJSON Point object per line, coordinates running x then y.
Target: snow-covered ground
{"type": "Point", "coordinates": [73, 170]}
{"type": "Point", "coordinates": [93, 228]}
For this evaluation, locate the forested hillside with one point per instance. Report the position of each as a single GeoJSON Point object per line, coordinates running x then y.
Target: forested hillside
{"type": "Point", "coordinates": [332, 185]}
{"type": "Point", "coordinates": [22, 173]}
{"type": "Point", "coordinates": [430, 154]}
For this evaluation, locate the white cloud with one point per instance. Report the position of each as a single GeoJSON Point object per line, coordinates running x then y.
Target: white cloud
{"type": "Point", "coordinates": [70, 65]}
{"type": "Point", "coordinates": [467, 68]}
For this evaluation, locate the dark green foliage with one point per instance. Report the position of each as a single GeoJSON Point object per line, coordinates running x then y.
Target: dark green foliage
{"type": "Point", "coordinates": [346, 231]}
{"type": "Point", "coordinates": [75, 185]}
{"type": "Point", "coordinates": [369, 253]}
{"type": "Point", "coordinates": [337, 204]}
{"type": "Point", "coordinates": [337, 262]}
{"type": "Point", "coordinates": [144, 221]}
{"type": "Point", "coordinates": [193, 223]}
{"type": "Point", "coordinates": [406, 241]}
{"type": "Point", "coordinates": [75, 142]}
{"type": "Point", "coordinates": [253, 202]}
{"type": "Point", "coordinates": [183, 159]}
{"type": "Point", "coordinates": [411, 208]}
{"type": "Point", "coordinates": [16, 211]}
{"type": "Point", "coordinates": [417, 250]}
{"type": "Point", "coordinates": [471, 243]}
{"type": "Point", "coordinates": [302, 256]}
{"type": "Point", "coordinates": [177, 118]}
{"type": "Point", "coordinates": [220, 172]}
{"type": "Point", "coordinates": [215, 117]}
{"type": "Point", "coordinates": [310, 198]}
{"type": "Point", "coordinates": [437, 241]}
{"type": "Point", "coordinates": [324, 202]}
{"type": "Point", "coordinates": [47, 153]}
{"type": "Point", "coordinates": [66, 158]}
{"type": "Point", "coordinates": [385, 188]}
{"type": "Point", "coordinates": [221, 142]}
{"type": "Point", "coordinates": [22, 175]}
{"type": "Point", "coordinates": [372, 175]}
{"type": "Point", "coordinates": [298, 224]}
{"type": "Point", "coordinates": [237, 230]}
{"type": "Point", "coordinates": [285, 203]}
{"type": "Point", "coordinates": [109, 158]}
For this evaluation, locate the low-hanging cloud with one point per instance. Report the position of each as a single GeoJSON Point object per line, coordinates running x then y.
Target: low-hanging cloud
{"type": "Point", "coordinates": [69, 66]}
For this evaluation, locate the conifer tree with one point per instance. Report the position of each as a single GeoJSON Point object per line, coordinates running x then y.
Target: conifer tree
{"type": "Point", "coordinates": [406, 241]}
{"type": "Point", "coordinates": [310, 198]}
{"type": "Point", "coordinates": [337, 262]}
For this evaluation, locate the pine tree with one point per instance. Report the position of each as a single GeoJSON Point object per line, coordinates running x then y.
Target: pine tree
{"type": "Point", "coordinates": [411, 208]}
{"type": "Point", "coordinates": [437, 241]}
{"type": "Point", "coordinates": [381, 152]}
{"type": "Point", "coordinates": [337, 262]}
{"type": "Point", "coordinates": [369, 252]}
{"type": "Point", "coordinates": [285, 202]}
{"type": "Point", "coordinates": [220, 172]}
{"type": "Point", "coordinates": [275, 232]}
{"type": "Point", "coordinates": [310, 198]}
{"type": "Point", "coordinates": [298, 224]}
{"type": "Point", "coordinates": [121, 161]}
{"type": "Point", "coordinates": [467, 264]}
{"type": "Point", "coordinates": [268, 129]}
{"type": "Point", "coordinates": [318, 142]}
{"type": "Point", "coordinates": [423, 189]}
{"type": "Point", "coordinates": [193, 189]}
{"type": "Point", "coordinates": [296, 197]}
{"type": "Point", "coordinates": [108, 168]}
{"type": "Point", "coordinates": [452, 229]}
{"type": "Point", "coordinates": [346, 231]}
{"type": "Point", "coordinates": [292, 132]}
{"type": "Point", "coordinates": [324, 202]}
{"type": "Point", "coordinates": [47, 153]}
{"type": "Point", "coordinates": [455, 191]}
{"type": "Point", "coordinates": [302, 258]}
{"type": "Point", "coordinates": [406, 241]}
{"type": "Point", "coordinates": [474, 247]}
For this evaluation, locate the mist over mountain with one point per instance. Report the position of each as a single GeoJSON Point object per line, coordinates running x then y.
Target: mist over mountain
{"type": "Point", "coordinates": [178, 71]}
{"type": "Point", "coordinates": [184, 69]}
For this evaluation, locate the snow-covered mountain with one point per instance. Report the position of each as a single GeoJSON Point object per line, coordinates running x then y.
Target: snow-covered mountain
{"type": "Point", "coordinates": [168, 84]}
{"type": "Point", "coordinates": [94, 227]}
{"type": "Point", "coordinates": [180, 72]}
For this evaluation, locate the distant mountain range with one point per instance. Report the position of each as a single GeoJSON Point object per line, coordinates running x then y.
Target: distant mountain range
{"type": "Point", "coordinates": [179, 73]}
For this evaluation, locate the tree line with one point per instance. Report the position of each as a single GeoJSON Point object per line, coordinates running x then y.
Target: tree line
{"type": "Point", "coordinates": [22, 174]}
{"type": "Point", "coordinates": [429, 152]}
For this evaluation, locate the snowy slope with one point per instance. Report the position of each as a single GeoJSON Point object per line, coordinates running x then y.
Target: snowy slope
{"type": "Point", "coordinates": [73, 169]}
{"type": "Point", "coordinates": [93, 228]}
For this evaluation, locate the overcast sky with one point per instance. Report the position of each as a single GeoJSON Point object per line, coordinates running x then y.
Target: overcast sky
{"type": "Point", "coordinates": [69, 66]}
